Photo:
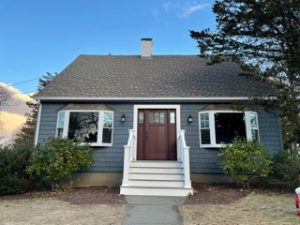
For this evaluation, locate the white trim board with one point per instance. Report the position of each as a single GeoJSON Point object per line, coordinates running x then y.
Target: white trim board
{"type": "Point", "coordinates": [37, 127]}
{"type": "Point", "coordinates": [135, 118]}
{"type": "Point", "coordinates": [234, 98]}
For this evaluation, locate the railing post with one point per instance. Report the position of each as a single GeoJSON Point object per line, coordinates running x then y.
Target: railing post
{"type": "Point", "coordinates": [187, 175]}
{"type": "Point", "coordinates": [183, 154]}
{"type": "Point", "coordinates": [126, 166]}
{"type": "Point", "coordinates": [178, 147]}
{"type": "Point", "coordinates": [128, 156]}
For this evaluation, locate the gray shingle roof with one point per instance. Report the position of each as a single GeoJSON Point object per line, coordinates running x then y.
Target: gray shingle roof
{"type": "Point", "coordinates": [158, 76]}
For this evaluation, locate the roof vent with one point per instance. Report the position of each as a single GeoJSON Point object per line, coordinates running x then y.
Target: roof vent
{"type": "Point", "coordinates": [146, 47]}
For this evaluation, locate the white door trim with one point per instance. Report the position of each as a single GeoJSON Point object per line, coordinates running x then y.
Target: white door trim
{"type": "Point", "coordinates": [135, 119]}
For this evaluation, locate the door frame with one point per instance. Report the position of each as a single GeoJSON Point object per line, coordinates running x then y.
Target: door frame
{"type": "Point", "coordinates": [135, 119]}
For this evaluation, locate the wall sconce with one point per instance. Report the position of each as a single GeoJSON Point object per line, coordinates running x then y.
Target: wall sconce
{"type": "Point", "coordinates": [190, 119]}
{"type": "Point", "coordinates": [123, 118]}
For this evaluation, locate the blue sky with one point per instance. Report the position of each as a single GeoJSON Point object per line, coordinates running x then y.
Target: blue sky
{"type": "Point", "coordinates": [39, 36]}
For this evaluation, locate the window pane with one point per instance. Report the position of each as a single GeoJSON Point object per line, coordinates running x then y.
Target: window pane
{"type": "Point", "coordinates": [162, 118]}
{"type": "Point", "coordinates": [172, 117]}
{"type": "Point", "coordinates": [157, 117]}
{"type": "Point", "coordinates": [229, 126]}
{"type": "Point", "coordinates": [61, 120]}
{"type": "Point", "coordinates": [205, 136]}
{"type": "Point", "coordinates": [107, 127]}
{"type": "Point", "coordinates": [254, 135]}
{"type": "Point", "coordinates": [151, 117]}
{"type": "Point", "coordinates": [141, 117]}
{"type": "Point", "coordinates": [60, 132]}
{"type": "Point", "coordinates": [204, 119]}
{"type": "Point", "coordinates": [253, 120]}
{"type": "Point", "coordinates": [60, 124]}
{"type": "Point", "coordinates": [83, 127]}
{"type": "Point", "coordinates": [205, 124]}
{"type": "Point", "coordinates": [107, 135]}
{"type": "Point", "coordinates": [107, 120]}
{"type": "Point", "coordinates": [204, 116]}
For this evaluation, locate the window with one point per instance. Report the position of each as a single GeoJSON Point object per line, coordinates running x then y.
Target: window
{"type": "Point", "coordinates": [172, 117]}
{"type": "Point", "coordinates": [221, 127]}
{"type": "Point", "coordinates": [141, 117]}
{"type": "Point", "coordinates": [83, 127]}
{"type": "Point", "coordinates": [229, 126]}
{"type": "Point", "coordinates": [204, 127]}
{"type": "Point", "coordinates": [157, 117]}
{"type": "Point", "coordinates": [252, 126]}
{"type": "Point", "coordinates": [86, 126]}
{"type": "Point", "coordinates": [107, 127]}
{"type": "Point", "coordinates": [60, 124]}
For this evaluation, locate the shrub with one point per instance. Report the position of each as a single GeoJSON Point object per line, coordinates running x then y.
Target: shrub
{"type": "Point", "coordinates": [245, 161]}
{"type": "Point", "coordinates": [58, 158]}
{"type": "Point", "coordinates": [13, 176]}
{"type": "Point", "coordinates": [285, 170]}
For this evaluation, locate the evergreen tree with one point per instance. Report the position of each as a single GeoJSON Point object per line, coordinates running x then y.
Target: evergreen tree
{"type": "Point", "coordinates": [25, 137]}
{"type": "Point", "coordinates": [264, 37]}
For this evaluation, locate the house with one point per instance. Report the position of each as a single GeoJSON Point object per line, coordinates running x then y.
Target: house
{"type": "Point", "coordinates": [155, 122]}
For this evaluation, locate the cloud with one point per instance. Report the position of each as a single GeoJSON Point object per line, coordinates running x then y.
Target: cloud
{"type": "Point", "coordinates": [183, 10]}
{"type": "Point", "coordinates": [10, 123]}
{"type": "Point", "coordinates": [15, 100]}
{"type": "Point", "coordinates": [190, 8]}
{"type": "Point", "coordinates": [12, 112]}
{"type": "Point", "coordinates": [167, 6]}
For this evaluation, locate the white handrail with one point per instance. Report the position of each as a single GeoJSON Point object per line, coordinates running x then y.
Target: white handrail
{"type": "Point", "coordinates": [183, 155]}
{"type": "Point", "coordinates": [128, 156]}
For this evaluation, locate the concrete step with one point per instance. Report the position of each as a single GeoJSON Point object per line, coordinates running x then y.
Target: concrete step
{"type": "Point", "coordinates": [156, 191]}
{"type": "Point", "coordinates": [156, 183]}
{"type": "Point", "coordinates": [152, 176]}
{"type": "Point", "coordinates": [155, 170]}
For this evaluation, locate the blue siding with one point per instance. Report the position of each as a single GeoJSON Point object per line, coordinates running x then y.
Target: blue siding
{"type": "Point", "coordinates": [110, 159]}
{"type": "Point", "coordinates": [202, 160]}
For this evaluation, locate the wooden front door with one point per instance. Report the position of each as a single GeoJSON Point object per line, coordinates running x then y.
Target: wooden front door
{"type": "Point", "coordinates": [156, 137]}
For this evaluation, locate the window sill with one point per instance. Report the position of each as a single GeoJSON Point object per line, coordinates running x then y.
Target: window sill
{"type": "Point", "coordinates": [97, 144]}
{"type": "Point", "coordinates": [101, 145]}
{"type": "Point", "coordinates": [214, 146]}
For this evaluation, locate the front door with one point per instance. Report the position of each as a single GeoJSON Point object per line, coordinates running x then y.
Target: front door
{"type": "Point", "coordinates": [156, 137]}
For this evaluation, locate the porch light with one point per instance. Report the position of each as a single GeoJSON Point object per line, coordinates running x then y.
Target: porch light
{"type": "Point", "coordinates": [190, 119]}
{"type": "Point", "coordinates": [123, 118]}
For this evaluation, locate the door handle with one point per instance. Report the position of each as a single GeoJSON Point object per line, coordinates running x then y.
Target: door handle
{"type": "Point", "coordinates": [146, 137]}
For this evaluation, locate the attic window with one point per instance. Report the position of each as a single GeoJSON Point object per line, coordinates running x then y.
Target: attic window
{"type": "Point", "coordinates": [86, 126]}
{"type": "Point", "coordinates": [218, 128]}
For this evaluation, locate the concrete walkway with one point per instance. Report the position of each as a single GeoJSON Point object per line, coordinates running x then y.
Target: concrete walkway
{"type": "Point", "coordinates": [152, 210]}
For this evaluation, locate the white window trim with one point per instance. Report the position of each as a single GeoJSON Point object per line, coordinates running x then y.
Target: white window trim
{"type": "Point", "coordinates": [100, 126]}
{"type": "Point", "coordinates": [211, 114]}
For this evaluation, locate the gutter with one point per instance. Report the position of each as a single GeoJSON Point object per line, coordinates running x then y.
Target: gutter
{"type": "Point", "coordinates": [192, 99]}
